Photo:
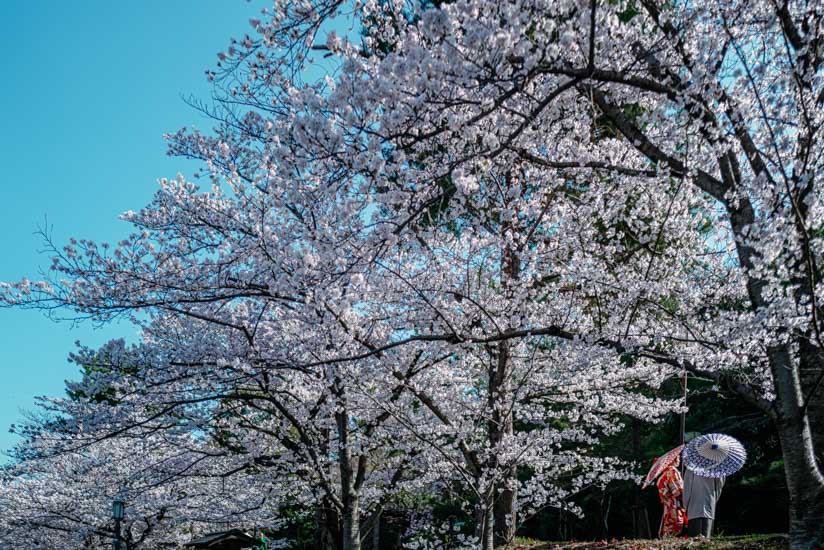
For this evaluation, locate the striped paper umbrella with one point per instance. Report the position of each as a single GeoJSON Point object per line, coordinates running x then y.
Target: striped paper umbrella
{"type": "Point", "coordinates": [662, 463]}
{"type": "Point", "coordinates": [714, 455]}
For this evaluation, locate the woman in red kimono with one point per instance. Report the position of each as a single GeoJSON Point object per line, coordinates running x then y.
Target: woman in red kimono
{"type": "Point", "coordinates": [670, 487]}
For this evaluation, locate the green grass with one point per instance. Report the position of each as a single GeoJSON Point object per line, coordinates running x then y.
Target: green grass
{"type": "Point", "coordinates": [746, 542]}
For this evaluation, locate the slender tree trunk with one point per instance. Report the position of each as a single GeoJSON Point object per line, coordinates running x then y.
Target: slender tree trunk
{"type": "Point", "coordinates": [483, 522]}
{"type": "Point", "coordinates": [327, 517]}
{"type": "Point", "coordinates": [327, 521]}
{"type": "Point", "coordinates": [603, 511]}
{"type": "Point", "coordinates": [563, 531]}
{"type": "Point", "coordinates": [640, 520]}
{"type": "Point", "coordinates": [351, 498]}
{"type": "Point", "coordinates": [376, 533]}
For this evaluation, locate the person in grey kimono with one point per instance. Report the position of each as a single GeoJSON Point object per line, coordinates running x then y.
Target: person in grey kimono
{"type": "Point", "coordinates": [700, 496]}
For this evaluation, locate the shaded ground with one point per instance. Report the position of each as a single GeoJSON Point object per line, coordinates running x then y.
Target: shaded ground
{"type": "Point", "coordinates": [752, 542]}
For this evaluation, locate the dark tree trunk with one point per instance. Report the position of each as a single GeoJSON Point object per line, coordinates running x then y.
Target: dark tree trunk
{"type": "Point", "coordinates": [502, 425]}
{"type": "Point", "coordinates": [327, 515]}
{"type": "Point", "coordinates": [563, 525]}
{"type": "Point", "coordinates": [376, 533]}
{"type": "Point", "coordinates": [604, 502]}
{"type": "Point", "coordinates": [350, 495]}
{"type": "Point", "coordinates": [640, 519]}
{"type": "Point", "coordinates": [327, 522]}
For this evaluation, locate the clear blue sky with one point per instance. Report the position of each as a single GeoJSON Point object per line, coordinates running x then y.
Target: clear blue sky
{"type": "Point", "coordinates": [88, 89]}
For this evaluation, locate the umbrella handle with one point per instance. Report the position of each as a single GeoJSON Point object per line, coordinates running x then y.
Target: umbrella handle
{"type": "Point", "coordinates": [683, 424]}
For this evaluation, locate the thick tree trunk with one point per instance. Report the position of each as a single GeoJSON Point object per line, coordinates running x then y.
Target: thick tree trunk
{"type": "Point", "coordinates": [805, 487]}
{"type": "Point", "coordinates": [804, 480]}
{"type": "Point", "coordinates": [502, 426]}
{"type": "Point", "coordinates": [505, 510]}
{"type": "Point", "coordinates": [351, 523]}
{"type": "Point", "coordinates": [811, 372]}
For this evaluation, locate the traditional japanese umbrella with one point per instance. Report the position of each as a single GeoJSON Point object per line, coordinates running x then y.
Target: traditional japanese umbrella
{"type": "Point", "coordinates": [714, 455]}
{"type": "Point", "coordinates": [662, 463]}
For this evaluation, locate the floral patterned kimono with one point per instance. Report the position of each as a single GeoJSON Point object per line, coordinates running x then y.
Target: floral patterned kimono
{"type": "Point", "coordinates": [670, 487]}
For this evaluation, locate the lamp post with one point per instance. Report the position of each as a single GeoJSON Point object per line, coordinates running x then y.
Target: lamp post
{"type": "Point", "coordinates": [118, 506]}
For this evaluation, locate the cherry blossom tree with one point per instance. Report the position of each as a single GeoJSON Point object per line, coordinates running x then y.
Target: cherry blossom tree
{"type": "Point", "coordinates": [227, 451]}
{"type": "Point", "coordinates": [486, 215]}
{"type": "Point", "coordinates": [724, 98]}
{"type": "Point", "coordinates": [721, 101]}
{"type": "Point", "coordinates": [319, 430]}
{"type": "Point", "coordinates": [59, 492]}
